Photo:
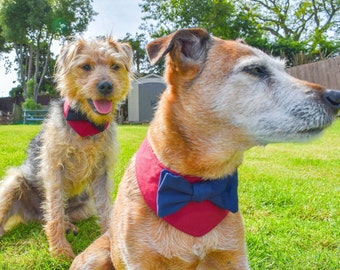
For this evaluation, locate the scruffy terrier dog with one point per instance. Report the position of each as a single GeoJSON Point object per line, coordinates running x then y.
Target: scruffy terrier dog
{"type": "Point", "coordinates": [177, 206]}
{"type": "Point", "coordinates": [69, 162]}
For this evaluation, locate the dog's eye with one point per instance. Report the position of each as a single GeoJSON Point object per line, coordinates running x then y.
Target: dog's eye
{"type": "Point", "coordinates": [115, 67]}
{"type": "Point", "coordinates": [86, 67]}
{"type": "Point", "coordinates": [259, 71]}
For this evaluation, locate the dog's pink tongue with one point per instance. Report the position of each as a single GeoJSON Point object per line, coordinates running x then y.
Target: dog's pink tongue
{"type": "Point", "coordinates": [103, 106]}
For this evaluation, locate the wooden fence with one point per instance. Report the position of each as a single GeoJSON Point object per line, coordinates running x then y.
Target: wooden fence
{"type": "Point", "coordinates": [6, 103]}
{"type": "Point", "coordinates": [325, 73]}
{"type": "Point", "coordinates": [8, 115]}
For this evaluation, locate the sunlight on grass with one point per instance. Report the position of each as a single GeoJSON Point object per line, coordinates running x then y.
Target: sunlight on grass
{"type": "Point", "coordinates": [289, 197]}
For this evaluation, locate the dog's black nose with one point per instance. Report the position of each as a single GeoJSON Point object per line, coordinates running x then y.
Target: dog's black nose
{"type": "Point", "coordinates": [105, 87]}
{"type": "Point", "coordinates": [332, 98]}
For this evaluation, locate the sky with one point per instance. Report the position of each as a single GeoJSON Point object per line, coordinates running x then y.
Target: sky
{"type": "Point", "coordinates": [115, 17]}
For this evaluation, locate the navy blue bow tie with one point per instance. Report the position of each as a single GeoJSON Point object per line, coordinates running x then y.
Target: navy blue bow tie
{"type": "Point", "coordinates": [174, 192]}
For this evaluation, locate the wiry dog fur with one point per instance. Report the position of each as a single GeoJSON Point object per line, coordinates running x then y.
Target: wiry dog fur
{"type": "Point", "coordinates": [223, 97]}
{"type": "Point", "coordinates": [63, 170]}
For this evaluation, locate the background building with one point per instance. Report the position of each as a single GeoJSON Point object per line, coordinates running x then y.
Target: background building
{"type": "Point", "coordinates": [143, 98]}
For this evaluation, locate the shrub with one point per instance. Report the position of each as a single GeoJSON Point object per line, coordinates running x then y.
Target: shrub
{"type": "Point", "coordinates": [30, 104]}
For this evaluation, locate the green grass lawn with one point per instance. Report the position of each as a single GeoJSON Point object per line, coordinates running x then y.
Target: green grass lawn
{"type": "Point", "coordinates": [289, 197]}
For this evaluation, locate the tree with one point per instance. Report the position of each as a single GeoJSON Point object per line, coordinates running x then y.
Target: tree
{"type": "Point", "coordinates": [143, 67]}
{"type": "Point", "coordinates": [36, 25]}
{"type": "Point", "coordinates": [295, 27]}
{"type": "Point", "coordinates": [137, 43]}
{"type": "Point", "coordinates": [287, 28]}
{"type": "Point", "coordinates": [219, 17]}
{"type": "Point", "coordinates": [2, 41]}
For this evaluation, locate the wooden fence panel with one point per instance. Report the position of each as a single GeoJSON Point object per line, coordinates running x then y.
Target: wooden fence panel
{"type": "Point", "coordinates": [326, 73]}
{"type": "Point", "coordinates": [6, 103]}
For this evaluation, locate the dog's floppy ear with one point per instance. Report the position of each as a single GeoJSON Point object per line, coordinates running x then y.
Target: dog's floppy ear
{"type": "Point", "coordinates": [190, 44]}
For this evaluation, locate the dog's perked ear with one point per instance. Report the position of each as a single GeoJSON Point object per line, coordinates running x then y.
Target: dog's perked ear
{"type": "Point", "coordinates": [183, 45]}
{"type": "Point", "coordinates": [126, 50]}
{"type": "Point", "coordinates": [68, 52]}
{"type": "Point", "coordinates": [129, 56]}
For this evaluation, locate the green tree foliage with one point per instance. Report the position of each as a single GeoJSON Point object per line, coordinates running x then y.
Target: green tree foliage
{"type": "Point", "coordinates": [219, 17]}
{"type": "Point", "coordinates": [2, 41]}
{"type": "Point", "coordinates": [142, 64]}
{"type": "Point", "coordinates": [137, 43]}
{"type": "Point", "coordinates": [30, 26]}
{"type": "Point", "coordinates": [30, 104]}
{"type": "Point", "coordinates": [299, 30]}
{"type": "Point", "coordinates": [294, 28]}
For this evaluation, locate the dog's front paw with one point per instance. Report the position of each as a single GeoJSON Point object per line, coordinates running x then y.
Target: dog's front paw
{"type": "Point", "coordinates": [2, 227]}
{"type": "Point", "coordinates": [62, 250]}
{"type": "Point", "coordinates": [55, 232]}
{"type": "Point", "coordinates": [96, 256]}
{"type": "Point", "coordinates": [69, 227]}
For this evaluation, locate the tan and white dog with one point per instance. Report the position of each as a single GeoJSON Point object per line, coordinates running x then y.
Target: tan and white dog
{"type": "Point", "coordinates": [222, 98]}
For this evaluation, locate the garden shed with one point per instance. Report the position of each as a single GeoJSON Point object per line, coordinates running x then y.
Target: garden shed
{"type": "Point", "coordinates": [143, 98]}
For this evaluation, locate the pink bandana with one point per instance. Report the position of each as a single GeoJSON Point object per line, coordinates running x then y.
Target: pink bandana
{"type": "Point", "coordinates": [80, 124]}
{"type": "Point", "coordinates": [195, 218]}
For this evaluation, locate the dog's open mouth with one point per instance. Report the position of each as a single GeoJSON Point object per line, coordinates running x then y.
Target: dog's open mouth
{"type": "Point", "coordinates": [101, 106]}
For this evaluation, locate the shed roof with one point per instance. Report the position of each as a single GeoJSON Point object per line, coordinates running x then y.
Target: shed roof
{"type": "Point", "coordinates": [150, 78]}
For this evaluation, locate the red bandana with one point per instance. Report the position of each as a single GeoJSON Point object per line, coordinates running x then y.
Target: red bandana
{"type": "Point", "coordinates": [195, 218]}
{"type": "Point", "coordinates": [80, 124]}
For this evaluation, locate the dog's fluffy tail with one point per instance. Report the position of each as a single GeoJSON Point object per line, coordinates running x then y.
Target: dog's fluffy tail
{"type": "Point", "coordinates": [22, 200]}
{"type": "Point", "coordinates": [14, 190]}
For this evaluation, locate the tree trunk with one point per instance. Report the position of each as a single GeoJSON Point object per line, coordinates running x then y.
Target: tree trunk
{"type": "Point", "coordinates": [47, 59]}
{"type": "Point", "coordinates": [20, 55]}
{"type": "Point", "coordinates": [36, 72]}
{"type": "Point", "coordinates": [30, 63]}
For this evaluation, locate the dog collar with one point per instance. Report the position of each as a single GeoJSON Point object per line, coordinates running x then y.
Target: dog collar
{"type": "Point", "coordinates": [80, 123]}
{"type": "Point", "coordinates": [182, 201]}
